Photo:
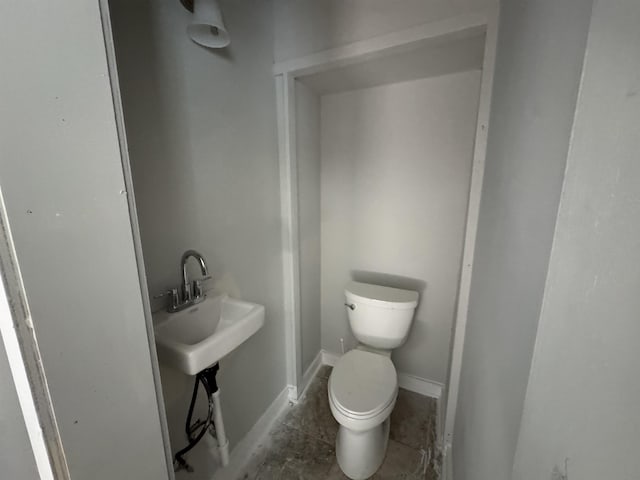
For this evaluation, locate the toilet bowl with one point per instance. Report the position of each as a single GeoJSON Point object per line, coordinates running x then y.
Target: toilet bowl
{"type": "Point", "coordinates": [363, 388]}
{"type": "Point", "coordinates": [363, 385]}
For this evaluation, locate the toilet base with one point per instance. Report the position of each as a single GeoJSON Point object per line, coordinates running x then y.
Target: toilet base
{"type": "Point", "coordinates": [360, 454]}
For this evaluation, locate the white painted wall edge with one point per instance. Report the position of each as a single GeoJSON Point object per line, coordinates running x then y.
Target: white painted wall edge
{"type": "Point", "coordinates": [240, 455]}
{"type": "Point", "coordinates": [458, 27]}
{"type": "Point", "coordinates": [285, 94]}
{"type": "Point", "coordinates": [23, 389]}
{"type": "Point", "coordinates": [409, 382]}
{"type": "Point", "coordinates": [473, 212]}
{"type": "Point", "coordinates": [19, 340]}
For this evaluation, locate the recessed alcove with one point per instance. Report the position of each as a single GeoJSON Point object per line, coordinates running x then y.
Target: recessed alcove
{"type": "Point", "coordinates": [380, 180]}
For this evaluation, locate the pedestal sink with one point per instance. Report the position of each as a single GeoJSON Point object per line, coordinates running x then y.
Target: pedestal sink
{"type": "Point", "coordinates": [197, 337]}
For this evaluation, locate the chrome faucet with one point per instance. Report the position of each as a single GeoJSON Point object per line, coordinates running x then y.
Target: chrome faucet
{"type": "Point", "coordinates": [193, 293]}
{"type": "Point", "coordinates": [190, 293]}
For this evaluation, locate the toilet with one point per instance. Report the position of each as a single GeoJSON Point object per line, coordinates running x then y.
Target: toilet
{"type": "Point", "coordinates": [363, 385]}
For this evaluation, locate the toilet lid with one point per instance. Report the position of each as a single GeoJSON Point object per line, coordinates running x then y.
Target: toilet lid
{"type": "Point", "coordinates": [363, 383]}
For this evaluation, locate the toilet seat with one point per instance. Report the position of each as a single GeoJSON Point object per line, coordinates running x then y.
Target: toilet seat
{"type": "Point", "coordinates": [363, 385]}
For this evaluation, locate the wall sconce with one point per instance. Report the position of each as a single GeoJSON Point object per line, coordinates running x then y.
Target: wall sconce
{"type": "Point", "coordinates": [207, 27]}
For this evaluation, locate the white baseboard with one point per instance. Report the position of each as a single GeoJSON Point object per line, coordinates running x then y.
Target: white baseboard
{"type": "Point", "coordinates": [440, 419]}
{"type": "Point", "coordinates": [241, 453]}
{"type": "Point", "coordinates": [425, 387]}
{"type": "Point", "coordinates": [329, 358]}
{"type": "Point", "coordinates": [409, 382]}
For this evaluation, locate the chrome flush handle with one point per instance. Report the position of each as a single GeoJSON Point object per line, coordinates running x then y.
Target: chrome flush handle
{"type": "Point", "coordinates": [350, 305]}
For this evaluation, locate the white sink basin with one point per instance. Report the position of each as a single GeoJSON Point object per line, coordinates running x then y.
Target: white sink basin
{"type": "Point", "coordinates": [197, 337]}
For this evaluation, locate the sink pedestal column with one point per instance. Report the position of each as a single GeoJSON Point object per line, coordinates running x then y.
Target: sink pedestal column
{"type": "Point", "coordinates": [221, 437]}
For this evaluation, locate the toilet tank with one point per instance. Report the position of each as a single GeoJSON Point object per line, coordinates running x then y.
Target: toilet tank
{"type": "Point", "coordinates": [380, 317]}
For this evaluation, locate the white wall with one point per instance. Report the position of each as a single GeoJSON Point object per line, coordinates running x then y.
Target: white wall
{"type": "Point", "coordinates": [396, 163]}
{"type": "Point", "coordinates": [202, 136]}
{"type": "Point", "coordinates": [308, 164]}
{"type": "Point", "coordinates": [539, 57]}
{"type": "Point", "coordinates": [65, 194]}
{"type": "Point", "coordinates": [17, 461]}
{"type": "Point", "coordinates": [584, 390]}
{"type": "Point", "coordinates": [307, 26]}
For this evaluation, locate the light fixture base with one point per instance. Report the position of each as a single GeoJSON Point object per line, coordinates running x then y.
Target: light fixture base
{"type": "Point", "coordinates": [188, 4]}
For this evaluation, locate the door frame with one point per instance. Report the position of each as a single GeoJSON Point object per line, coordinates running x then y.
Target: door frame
{"type": "Point", "coordinates": [286, 74]}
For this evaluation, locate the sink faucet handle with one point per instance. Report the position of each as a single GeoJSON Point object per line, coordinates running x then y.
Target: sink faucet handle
{"type": "Point", "coordinates": [172, 293]}
{"type": "Point", "coordinates": [197, 286]}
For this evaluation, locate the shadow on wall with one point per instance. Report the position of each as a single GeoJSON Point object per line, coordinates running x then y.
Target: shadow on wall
{"type": "Point", "coordinates": [388, 280]}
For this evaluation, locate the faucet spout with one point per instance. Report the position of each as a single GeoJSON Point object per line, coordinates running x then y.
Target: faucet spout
{"type": "Point", "coordinates": [185, 278]}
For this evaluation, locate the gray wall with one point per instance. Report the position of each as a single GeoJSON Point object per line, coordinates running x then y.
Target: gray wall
{"type": "Point", "coordinates": [16, 461]}
{"type": "Point", "coordinates": [201, 128]}
{"type": "Point", "coordinates": [539, 59]}
{"type": "Point", "coordinates": [64, 189]}
{"type": "Point", "coordinates": [396, 165]}
{"type": "Point", "coordinates": [584, 390]}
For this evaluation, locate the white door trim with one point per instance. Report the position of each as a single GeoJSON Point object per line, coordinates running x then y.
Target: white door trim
{"type": "Point", "coordinates": [25, 363]}
{"type": "Point", "coordinates": [473, 211]}
{"type": "Point", "coordinates": [285, 97]}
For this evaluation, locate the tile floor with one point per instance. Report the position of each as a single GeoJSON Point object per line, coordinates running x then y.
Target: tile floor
{"type": "Point", "coordinates": [302, 445]}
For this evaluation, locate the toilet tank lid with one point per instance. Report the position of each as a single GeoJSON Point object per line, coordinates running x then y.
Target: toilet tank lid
{"type": "Point", "coordinates": [381, 296]}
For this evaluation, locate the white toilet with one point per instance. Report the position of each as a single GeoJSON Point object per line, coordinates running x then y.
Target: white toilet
{"type": "Point", "coordinates": [363, 385]}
